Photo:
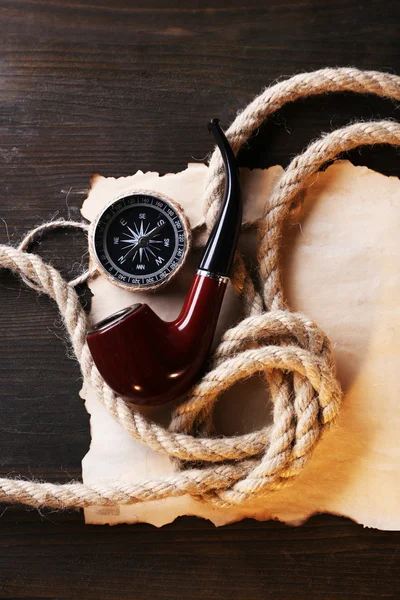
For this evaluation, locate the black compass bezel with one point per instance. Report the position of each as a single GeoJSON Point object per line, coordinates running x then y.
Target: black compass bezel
{"type": "Point", "coordinates": [114, 210]}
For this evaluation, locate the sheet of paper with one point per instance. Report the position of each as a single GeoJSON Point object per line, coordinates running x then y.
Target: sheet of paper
{"type": "Point", "coordinates": [341, 256]}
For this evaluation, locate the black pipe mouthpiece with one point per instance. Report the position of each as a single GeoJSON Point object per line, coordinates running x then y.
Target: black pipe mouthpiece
{"type": "Point", "coordinates": [221, 245]}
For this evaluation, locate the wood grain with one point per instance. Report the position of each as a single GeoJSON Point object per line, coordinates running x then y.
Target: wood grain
{"type": "Point", "coordinates": [101, 87]}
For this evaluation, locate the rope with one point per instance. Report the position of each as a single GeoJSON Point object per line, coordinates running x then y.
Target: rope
{"type": "Point", "coordinates": [293, 354]}
{"type": "Point", "coordinates": [37, 232]}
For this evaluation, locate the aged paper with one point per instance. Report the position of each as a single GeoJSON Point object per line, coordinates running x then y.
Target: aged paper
{"type": "Point", "coordinates": [341, 256]}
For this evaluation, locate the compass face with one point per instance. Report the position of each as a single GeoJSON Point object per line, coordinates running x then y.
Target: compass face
{"type": "Point", "coordinates": [140, 240]}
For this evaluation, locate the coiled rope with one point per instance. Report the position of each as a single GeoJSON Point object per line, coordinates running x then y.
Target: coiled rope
{"type": "Point", "coordinates": [290, 350]}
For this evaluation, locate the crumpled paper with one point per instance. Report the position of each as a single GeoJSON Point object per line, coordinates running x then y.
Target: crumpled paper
{"type": "Point", "coordinates": [340, 255]}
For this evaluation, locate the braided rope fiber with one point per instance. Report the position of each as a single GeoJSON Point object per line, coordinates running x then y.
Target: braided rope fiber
{"type": "Point", "coordinates": [291, 352]}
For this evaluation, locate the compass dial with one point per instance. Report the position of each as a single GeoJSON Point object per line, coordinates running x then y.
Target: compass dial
{"type": "Point", "coordinates": [141, 240]}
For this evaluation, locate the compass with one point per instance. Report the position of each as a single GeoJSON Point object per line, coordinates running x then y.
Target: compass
{"type": "Point", "coordinates": [140, 240]}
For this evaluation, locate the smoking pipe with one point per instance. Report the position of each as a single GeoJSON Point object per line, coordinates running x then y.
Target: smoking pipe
{"type": "Point", "coordinates": [150, 361]}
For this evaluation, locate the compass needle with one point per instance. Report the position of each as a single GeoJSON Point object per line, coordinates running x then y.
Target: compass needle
{"type": "Point", "coordinates": [130, 240]}
{"type": "Point", "coordinates": [135, 235]}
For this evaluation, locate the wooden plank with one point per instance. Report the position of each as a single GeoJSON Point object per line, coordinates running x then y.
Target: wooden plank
{"type": "Point", "coordinates": [111, 88]}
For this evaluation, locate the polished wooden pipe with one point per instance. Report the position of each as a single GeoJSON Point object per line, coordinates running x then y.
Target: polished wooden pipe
{"type": "Point", "coordinates": [150, 361]}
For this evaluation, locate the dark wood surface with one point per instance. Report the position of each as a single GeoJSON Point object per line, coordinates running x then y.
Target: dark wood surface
{"type": "Point", "coordinates": [110, 87]}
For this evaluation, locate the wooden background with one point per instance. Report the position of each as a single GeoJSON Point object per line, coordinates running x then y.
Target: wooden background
{"type": "Point", "coordinates": [109, 87]}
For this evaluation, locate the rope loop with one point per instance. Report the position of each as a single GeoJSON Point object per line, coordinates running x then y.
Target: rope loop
{"type": "Point", "coordinates": [290, 351]}
{"type": "Point", "coordinates": [35, 233]}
